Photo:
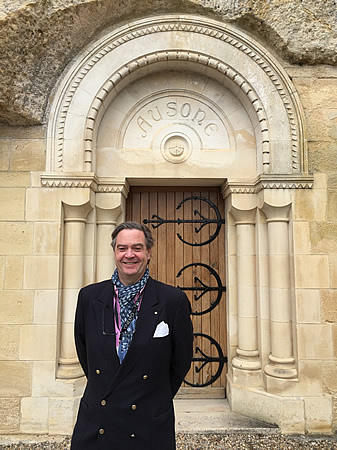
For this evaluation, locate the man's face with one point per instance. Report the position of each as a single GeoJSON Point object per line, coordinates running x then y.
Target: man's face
{"type": "Point", "coordinates": [131, 256]}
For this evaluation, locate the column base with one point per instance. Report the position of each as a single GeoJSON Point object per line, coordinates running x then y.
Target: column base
{"type": "Point", "coordinates": [281, 367]}
{"type": "Point", "coordinates": [69, 369]}
{"type": "Point", "coordinates": [247, 360]}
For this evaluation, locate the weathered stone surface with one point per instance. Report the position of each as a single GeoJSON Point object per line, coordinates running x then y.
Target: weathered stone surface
{"type": "Point", "coordinates": [15, 379]}
{"type": "Point", "coordinates": [9, 415]}
{"type": "Point", "coordinates": [38, 39]}
{"type": "Point", "coordinates": [328, 305]}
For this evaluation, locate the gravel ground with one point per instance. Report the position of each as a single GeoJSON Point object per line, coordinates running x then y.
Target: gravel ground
{"type": "Point", "coordinates": [236, 440]}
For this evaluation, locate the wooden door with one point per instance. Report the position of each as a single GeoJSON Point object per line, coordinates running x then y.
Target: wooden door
{"type": "Point", "coordinates": [194, 261]}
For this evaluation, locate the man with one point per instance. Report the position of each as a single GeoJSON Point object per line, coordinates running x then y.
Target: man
{"type": "Point", "coordinates": [134, 338]}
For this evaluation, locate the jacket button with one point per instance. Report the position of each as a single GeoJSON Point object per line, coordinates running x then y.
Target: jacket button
{"type": "Point", "coordinates": [98, 371]}
{"type": "Point", "coordinates": [145, 377]}
{"type": "Point", "coordinates": [103, 402]}
{"type": "Point", "coordinates": [134, 407]}
{"type": "Point", "coordinates": [101, 431]}
{"type": "Point", "coordinates": [132, 435]}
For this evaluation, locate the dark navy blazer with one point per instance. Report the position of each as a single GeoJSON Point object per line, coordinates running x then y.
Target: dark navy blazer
{"type": "Point", "coordinates": [129, 406]}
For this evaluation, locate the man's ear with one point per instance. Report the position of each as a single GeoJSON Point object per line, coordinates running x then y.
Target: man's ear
{"type": "Point", "coordinates": [150, 254]}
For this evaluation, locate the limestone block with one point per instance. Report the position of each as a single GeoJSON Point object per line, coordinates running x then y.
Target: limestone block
{"type": "Point", "coordinates": [301, 233]}
{"type": "Point", "coordinates": [43, 204]}
{"type": "Point", "coordinates": [332, 210]}
{"type": "Point", "coordinates": [312, 271]}
{"type": "Point", "coordinates": [310, 378]}
{"type": "Point", "coordinates": [319, 348]}
{"type": "Point", "coordinates": [334, 414]}
{"type": "Point", "coordinates": [14, 272]}
{"type": "Point", "coordinates": [44, 383]}
{"type": "Point", "coordinates": [9, 342]}
{"type": "Point", "coordinates": [34, 415]}
{"type": "Point", "coordinates": [310, 205]}
{"type": "Point", "coordinates": [334, 340]}
{"type": "Point", "coordinates": [9, 415]}
{"type": "Point", "coordinates": [322, 156]}
{"type": "Point", "coordinates": [46, 238]}
{"type": "Point", "coordinates": [62, 414]}
{"type": "Point", "coordinates": [14, 179]}
{"type": "Point", "coordinates": [46, 307]}
{"type": "Point", "coordinates": [17, 238]}
{"type": "Point", "coordinates": [328, 305]}
{"type": "Point", "coordinates": [323, 234]}
{"type": "Point", "coordinates": [320, 107]}
{"type": "Point", "coordinates": [318, 413]}
{"type": "Point", "coordinates": [26, 155]}
{"type": "Point", "coordinates": [308, 306]}
{"type": "Point", "coordinates": [38, 342]}
{"type": "Point", "coordinates": [4, 154]}
{"type": "Point", "coordinates": [2, 271]}
{"type": "Point", "coordinates": [333, 270]}
{"type": "Point", "coordinates": [16, 307]}
{"type": "Point", "coordinates": [329, 379]}
{"type": "Point", "coordinates": [41, 272]}
{"type": "Point", "coordinates": [12, 204]}
{"type": "Point", "coordinates": [286, 412]}
{"type": "Point", "coordinates": [15, 379]}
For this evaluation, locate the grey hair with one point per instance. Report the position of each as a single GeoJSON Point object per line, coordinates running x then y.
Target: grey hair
{"type": "Point", "coordinates": [149, 240]}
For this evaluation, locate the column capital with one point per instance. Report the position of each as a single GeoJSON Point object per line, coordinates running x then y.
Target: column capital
{"type": "Point", "coordinates": [276, 213]}
{"type": "Point", "coordinates": [108, 216]}
{"type": "Point", "coordinates": [243, 216]}
{"type": "Point", "coordinates": [76, 212]}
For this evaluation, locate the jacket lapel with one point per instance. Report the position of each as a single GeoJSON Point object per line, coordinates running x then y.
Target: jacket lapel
{"type": "Point", "coordinates": [105, 325]}
{"type": "Point", "coordinates": [145, 327]}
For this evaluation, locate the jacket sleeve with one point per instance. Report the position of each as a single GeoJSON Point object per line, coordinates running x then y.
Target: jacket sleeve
{"type": "Point", "coordinates": [182, 350]}
{"type": "Point", "coordinates": [80, 334]}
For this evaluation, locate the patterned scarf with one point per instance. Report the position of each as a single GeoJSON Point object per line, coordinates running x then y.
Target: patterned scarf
{"type": "Point", "coordinates": [126, 297]}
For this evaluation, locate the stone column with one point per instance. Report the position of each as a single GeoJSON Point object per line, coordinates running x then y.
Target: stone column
{"type": "Point", "coordinates": [106, 223]}
{"type": "Point", "coordinates": [247, 357]}
{"type": "Point", "coordinates": [281, 359]}
{"type": "Point", "coordinates": [72, 280]}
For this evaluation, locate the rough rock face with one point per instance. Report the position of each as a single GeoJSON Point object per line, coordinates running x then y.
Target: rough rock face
{"type": "Point", "coordinates": [38, 38]}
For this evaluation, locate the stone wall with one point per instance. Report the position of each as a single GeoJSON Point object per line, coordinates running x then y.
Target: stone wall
{"type": "Point", "coordinates": [38, 40]}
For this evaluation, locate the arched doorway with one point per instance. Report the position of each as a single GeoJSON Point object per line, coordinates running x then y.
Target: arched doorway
{"type": "Point", "coordinates": [181, 101]}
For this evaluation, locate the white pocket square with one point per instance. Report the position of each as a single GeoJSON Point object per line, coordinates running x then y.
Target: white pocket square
{"type": "Point", "coordinates": [161, 330]}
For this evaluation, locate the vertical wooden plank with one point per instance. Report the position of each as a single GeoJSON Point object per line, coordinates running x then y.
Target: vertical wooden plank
{"type": "Point", "coordinates": [136, 206]}
{"type": "Point", "coordinates": [153, 209]}
{"type": "Point", "coordinates": [170, 235]}
{"type": "Point", "coordinates": [162, 239]}
{"type": "Point", "coordinates": [128, 209]}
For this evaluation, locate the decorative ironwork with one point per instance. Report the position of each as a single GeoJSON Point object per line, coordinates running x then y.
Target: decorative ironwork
{"type": "Point", "coordinates": [204, 288]}
{"type": "Point", "coordinates": [205, 359]}
{"type": "Point", "coordinates": [157, 221]}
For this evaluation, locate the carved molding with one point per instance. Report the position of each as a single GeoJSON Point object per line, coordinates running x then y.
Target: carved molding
{"type": "Point", "coordinates": [84, 180]}
{"type": "Point", "coordinates": [192, 25]}
{"type": "Point", "coordinates": [267, 182]}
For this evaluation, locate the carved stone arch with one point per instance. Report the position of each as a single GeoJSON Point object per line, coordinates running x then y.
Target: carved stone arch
{"type": "Point", "coordinates": [220, 50]}
{"type": "Point", "coordinates": [190, 60]}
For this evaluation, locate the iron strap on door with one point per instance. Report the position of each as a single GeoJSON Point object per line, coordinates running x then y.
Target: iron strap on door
{"type": "Point", "coordinates": [157, 221]}
{"type": "Point", "coordinates": [200, 288]}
